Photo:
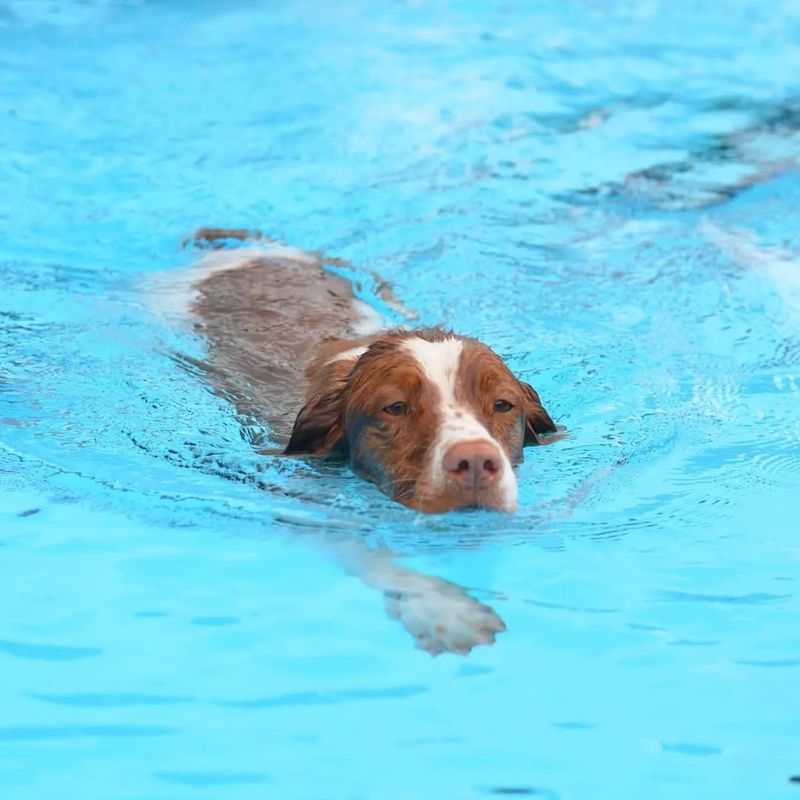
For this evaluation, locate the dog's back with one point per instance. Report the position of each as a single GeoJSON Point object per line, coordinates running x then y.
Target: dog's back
{"type": "Point", "coordinates": [263, 312]}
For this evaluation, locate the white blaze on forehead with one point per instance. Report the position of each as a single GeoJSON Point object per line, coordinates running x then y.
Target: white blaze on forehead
{"type": "Point", "coordinates": [439, 361]}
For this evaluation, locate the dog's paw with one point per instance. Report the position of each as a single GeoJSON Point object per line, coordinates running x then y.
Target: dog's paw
{"type": "Point", "coordinates": [442, 617]}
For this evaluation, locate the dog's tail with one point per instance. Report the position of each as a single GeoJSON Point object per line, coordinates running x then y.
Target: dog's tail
{"type": "Point", "coordinates": [172, 294]}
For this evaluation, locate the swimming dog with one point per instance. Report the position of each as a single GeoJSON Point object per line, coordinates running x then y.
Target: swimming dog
{"type": "Point", "coordinates": [435, 419]}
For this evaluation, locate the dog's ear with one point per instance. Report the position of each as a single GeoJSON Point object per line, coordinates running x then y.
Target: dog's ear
{"type": "Point", "coordinates": [537, 420]}
{"type": "Point", "coordinates": [319, 426]}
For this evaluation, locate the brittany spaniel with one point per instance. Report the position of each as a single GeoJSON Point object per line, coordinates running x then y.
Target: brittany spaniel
{"type": "Point", "coordinates": [436, 420]}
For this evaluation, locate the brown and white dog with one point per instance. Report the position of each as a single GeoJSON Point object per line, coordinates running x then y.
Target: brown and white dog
{"type": "Point", "coordinates": [435, 419]}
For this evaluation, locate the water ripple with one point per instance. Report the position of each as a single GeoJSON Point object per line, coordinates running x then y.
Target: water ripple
{"type": "Point", "coordinates": [112, 699]}
{"type": "Point", "coordinates": [563, 607]}
{"type": "Point", "coordinates": [685, 748]}
{"type": "Point", "coordinates": [212, 778]}
{"type": "Point", "coordinates": [326, 698]}
{"type": "Point", "coordinates": [755, 598]}
{"type": "Point", "coordinates": [21, 733]}
{"type": "Point", "coordinates": [47, 652]}
{"type": "Point", "coordinates": [522, 791]}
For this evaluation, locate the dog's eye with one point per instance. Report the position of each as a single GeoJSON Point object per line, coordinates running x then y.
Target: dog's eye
{"type": "Point", "coordinates": [502, 406]}
{"type": "Point", "coordinates": [396, 409]}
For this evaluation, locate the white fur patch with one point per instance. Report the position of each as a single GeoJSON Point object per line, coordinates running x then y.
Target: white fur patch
{"type": "Point", "coordinates": [366, 320]}
{"type": "Point", "coordinates": [439, 362]}
{"type": "Point", "coordinates": [348, 355]}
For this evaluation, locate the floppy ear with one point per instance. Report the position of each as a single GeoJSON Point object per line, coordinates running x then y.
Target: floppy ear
{"type": "Point", "coordinates": [319, 426]}
{"type": "Point", "coordinates": [537, 420]}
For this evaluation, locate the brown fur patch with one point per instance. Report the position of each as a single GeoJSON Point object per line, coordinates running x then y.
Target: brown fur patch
{"type": "Point", "coordinates": [390, 449]}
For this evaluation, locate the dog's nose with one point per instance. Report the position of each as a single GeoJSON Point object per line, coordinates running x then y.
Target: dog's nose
{"type": "Point", "coordinates": [473, 465]}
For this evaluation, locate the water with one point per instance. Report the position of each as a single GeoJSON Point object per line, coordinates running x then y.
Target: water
{"type": "Point", "coordinates": [605, 193]}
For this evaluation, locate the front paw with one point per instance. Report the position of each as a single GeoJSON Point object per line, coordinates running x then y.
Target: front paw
{"type": "Point", "coordinates": [442, 617]}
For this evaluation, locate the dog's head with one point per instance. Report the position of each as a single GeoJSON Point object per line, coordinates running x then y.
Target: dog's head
{"type": "Point", "coordinates": [435, 420]}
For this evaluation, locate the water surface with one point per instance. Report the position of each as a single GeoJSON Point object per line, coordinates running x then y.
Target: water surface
{"type": "Point", "coordinates": [608, 195]}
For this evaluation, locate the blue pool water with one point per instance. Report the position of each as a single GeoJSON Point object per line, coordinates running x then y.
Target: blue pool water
{"type": "Point", "coordinates": [607, 193]}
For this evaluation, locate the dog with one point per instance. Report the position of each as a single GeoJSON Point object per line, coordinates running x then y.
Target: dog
{"type": "Point", "coordinates": [436, 420]}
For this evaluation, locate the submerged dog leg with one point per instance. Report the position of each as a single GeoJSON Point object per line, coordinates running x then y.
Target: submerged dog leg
{"type": "Point", "coordinates": [438, 614]}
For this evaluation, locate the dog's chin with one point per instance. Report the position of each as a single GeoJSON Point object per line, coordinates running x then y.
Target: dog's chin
{"type": "Point", "coordinates": [457, 499]}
